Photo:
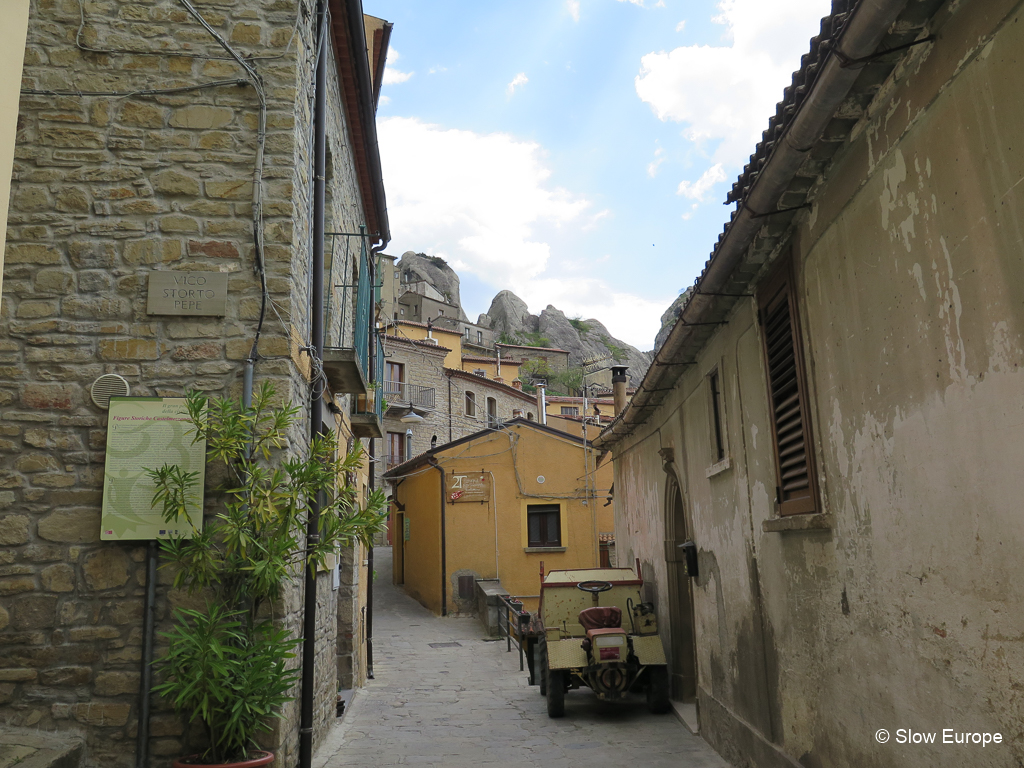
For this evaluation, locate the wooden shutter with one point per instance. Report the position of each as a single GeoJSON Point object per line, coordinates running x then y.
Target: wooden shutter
{"type": "Point", "coordinates": [787, 394]}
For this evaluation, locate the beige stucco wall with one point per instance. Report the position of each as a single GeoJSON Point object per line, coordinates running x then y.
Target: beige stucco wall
{"type": "Point", "coordinates": [12, 54]}
{"type": "Point", "coordinates": [907, 612]}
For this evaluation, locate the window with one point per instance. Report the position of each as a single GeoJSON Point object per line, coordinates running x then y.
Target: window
{"type": "Point", "coordinates": [479, 337]}
{"type": "Point", "coordinates": [466, 332]}
{"type": "Point", "coordinates": [529, 416]}
{"type": "Point", "coordinates": [543, 525]}
{"type": "Point", "coordinates": [394, 376]}
{"type": "Point", "coordinates": [492, 412]}
{"type": "Point", "coordinates": [570, 410]}
{"type": "Point", "coordinates": [470, 404]}
{"type": "Point", "coordinates": [716, 416]}
{"type": "Point", "coordinates": [796, 492]}
{"type": "Point", "coordinates": [480, 372]}
{"type": "Point", "coordinates": [396, 449]}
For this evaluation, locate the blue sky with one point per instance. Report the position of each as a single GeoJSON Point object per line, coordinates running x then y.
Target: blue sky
{"type": "Point", "coordinates": [577, 152]}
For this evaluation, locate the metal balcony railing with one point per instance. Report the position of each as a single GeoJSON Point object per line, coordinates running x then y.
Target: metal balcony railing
{"type": "Point", "coordinates": [399, 393]}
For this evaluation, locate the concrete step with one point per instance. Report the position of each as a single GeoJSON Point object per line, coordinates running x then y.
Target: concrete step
{"type": "Point", "coordinates": [27, 748]}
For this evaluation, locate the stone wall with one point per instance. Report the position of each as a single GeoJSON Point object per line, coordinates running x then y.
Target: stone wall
{"type": "Point", "coordinates": [106, 190]}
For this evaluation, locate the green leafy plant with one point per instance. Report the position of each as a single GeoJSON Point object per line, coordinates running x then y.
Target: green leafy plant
{"type": "Point", "coordinates": [580, 325]}
{"type": "Point", "coordinates": [227, 666]}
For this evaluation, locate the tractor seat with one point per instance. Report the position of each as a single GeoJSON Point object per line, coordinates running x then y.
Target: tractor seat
{"type": "Point", "coordinates": [601, 618]}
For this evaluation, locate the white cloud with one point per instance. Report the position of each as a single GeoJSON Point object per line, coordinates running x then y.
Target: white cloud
{"type": "Point", "coordinates": [484, 202]}
{"type": "Point", "coordinates": [394, 76]}
{"type": "Point", "coordinates": [698, 190]}
{"type": "Point", "coordinates": [681, 26]}
{"type": "Point", "coordinates": [520, 79]}
{"type": "Point", "coordinates": [634, 2]}
{"type": "Point", "coordinates": [435, 70]}
{"type": "Point", "coordinates": [659, 158]}
{"type": "Point", "coordinates": [574, 9]}
{"type": "Point", "coordinates": [724, 94]}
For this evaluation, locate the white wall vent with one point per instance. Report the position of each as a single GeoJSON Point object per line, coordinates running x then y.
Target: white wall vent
{"type": "Point", "coordinates": [107, 386]}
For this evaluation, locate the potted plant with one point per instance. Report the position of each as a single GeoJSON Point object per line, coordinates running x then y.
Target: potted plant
{"type": "Point", "coordinates": [227, 665]}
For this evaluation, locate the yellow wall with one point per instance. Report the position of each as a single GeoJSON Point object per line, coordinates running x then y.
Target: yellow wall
{"type": "Point", "coordinates": [12, 53]}
{"type": "Point", "coordinates": [421, 495]}
{"type": "Point", "coordinates": [509, 371]}
{"type": "Point", "coordinates": [448, 339]}
{"type": "Point", "coordinates": [475, 544]}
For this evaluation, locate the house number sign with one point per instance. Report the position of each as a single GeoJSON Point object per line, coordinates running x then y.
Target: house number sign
{"type": "Point", "coordinates": [187, 293]}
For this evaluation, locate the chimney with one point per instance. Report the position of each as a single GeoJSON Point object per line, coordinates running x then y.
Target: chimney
{"type": "Point", "coordinates": [517, 384]}
{"type": "Point", "coordinates": [542, 409]}
{"type": "Point", "coordinates": [619, 382]}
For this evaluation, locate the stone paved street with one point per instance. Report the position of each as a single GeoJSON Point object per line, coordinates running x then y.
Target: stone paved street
{"type": "Point", "coordinates": [470, 705]}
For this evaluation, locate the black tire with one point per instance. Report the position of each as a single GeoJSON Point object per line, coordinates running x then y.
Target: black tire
{"type": "Point", "coordinates": [556, 692]}
{"type": "Point", "coordinates": [657, 690]}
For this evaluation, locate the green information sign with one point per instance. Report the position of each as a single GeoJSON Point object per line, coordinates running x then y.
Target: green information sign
{"type": "Point", "coordinates": [146, 433]}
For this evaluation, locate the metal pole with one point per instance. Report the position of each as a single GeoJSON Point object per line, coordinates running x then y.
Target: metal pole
{"type": "Point", "coordinates": [316, 424]}
{"type": "Point", "coordinates": [146, 678]}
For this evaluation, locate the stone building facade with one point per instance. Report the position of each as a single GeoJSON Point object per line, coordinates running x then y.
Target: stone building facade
{"type": "Point", "coordinates": [833, 422]}
{"type": "Point", "coordinates": [110, 186]}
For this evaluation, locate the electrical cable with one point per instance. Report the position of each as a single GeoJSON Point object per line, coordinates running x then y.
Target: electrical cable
{"type": "Point", "coordinates": [138, 92]}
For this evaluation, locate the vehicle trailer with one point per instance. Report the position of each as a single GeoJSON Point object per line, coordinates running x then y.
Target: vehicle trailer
{"type": "Point", "coordinates": [593, 629]}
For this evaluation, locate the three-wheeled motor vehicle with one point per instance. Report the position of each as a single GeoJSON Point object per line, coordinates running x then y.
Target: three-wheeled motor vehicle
{"type": "Point", "coordinates": [593, 629]}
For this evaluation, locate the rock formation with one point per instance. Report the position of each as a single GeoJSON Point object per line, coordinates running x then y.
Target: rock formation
{"type": "Point", "coordinates": [669, 318]}
{"type": "Point", "coordinates": [435, 270]}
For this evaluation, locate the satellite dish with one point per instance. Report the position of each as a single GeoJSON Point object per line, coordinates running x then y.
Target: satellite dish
{"type": "Point", "coordinates": [107, 386]}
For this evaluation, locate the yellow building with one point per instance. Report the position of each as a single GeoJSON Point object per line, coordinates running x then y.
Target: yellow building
{"type": "Point", "coordinates": [503, 370]}
{"type": "Point", "coordinates": [495, 505]}
{"type": "Point", "coordinates": [451, 340]}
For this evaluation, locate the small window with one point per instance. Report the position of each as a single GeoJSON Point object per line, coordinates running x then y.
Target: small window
{"type": "Point", "coordinates": [396, 449]}
{"type": "Point", "coordinates": [440, 312]}
{"type": "Point", "coordinates": [471, 404]}
{"type": "Point", "coordinates": [797, 491]}
{"type": "Point", "coordinates": [479, 337]}
{"type": "Point", "coordinates": [402, 311]}
{"type": "Point", "coordinates": [480, 372]}
{"type": "Point", "coordinates": [570, 410]}
{"type": "Point", "coordinates": [492, 412]}
{"type": "Point", "coordinates": [716, 416]}
{"type": "Point", "coordinates": [529, 416]}
{"type": "Point", "coordinates": [467, 334]}
{"type": "Point", "coordinates": [543, 525]}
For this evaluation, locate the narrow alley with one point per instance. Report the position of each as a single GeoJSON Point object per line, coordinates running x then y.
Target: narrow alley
{"type": "Point", "coordinates": [466, 704]}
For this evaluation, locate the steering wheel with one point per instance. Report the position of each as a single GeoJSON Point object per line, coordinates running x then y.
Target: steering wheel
{"type": "Point", "coordinates": [594, 586]}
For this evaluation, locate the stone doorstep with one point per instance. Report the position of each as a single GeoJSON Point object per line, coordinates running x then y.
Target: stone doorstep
{"type": "Point", "coordinates": [27, 748]}
{"type": "Point", "coordinates": [687, 715]}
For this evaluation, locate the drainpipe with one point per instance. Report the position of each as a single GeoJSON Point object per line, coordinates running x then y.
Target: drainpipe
{"type": "Point", "coordinates": [864, 31]}
{"type": "Point", "coordinates": [444, 542]}
{"type": "Point", "coordinates": [315, 400]}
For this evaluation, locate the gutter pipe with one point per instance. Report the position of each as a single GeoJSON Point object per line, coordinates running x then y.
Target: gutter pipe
{"type": "Point", "coordinates": [864, 31]}
{"type": "Point", "coordinates": [316, 424]}
{"type": "Point", "coordinates": [444, 553]}
{"type": "Point", "coordinates": [364, 82]}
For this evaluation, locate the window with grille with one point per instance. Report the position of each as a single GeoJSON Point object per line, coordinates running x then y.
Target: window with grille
{"type": "Point", "coordinates": [796, 491]}
{"type": "Point", "coordinates": [543, 525]}
{"type": "Point", "coordinates": [570, 410]}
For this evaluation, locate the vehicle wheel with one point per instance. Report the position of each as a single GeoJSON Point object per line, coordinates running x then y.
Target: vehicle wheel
{"type": "Point", "coordinates": [556, 692]}
{"type": "Point", "coordinates": [540, 666]}
{"type": "Point", "coordinates": [657, 690]}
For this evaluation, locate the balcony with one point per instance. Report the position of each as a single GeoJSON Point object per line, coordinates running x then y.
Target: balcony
{"type": "Point", "coordinates": [368, 408]}
{"type": "Point", "coordinates": [346, 359]}
{"type": "Point", "coordinates": [398, 394]}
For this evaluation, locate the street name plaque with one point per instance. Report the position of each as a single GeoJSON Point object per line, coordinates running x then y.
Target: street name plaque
{"type": "Point", "coordinates": [187, 293]}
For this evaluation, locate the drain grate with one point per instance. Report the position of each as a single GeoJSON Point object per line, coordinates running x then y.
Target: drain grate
{"type": "Point", "coordinates": [445, 645]}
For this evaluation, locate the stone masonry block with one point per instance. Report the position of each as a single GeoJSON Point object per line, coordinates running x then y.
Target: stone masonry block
{"type": "Point", "coordinates": [59, 577]}
{"type": "Point", "coordinates": [107, 568]}
{"type": "Point", "coordinates": [51, 396]}
{"type": "Point", "coordinates": [31, 253]}
{"type": "Point", "coordinates": [152, 251]}
{"type": "Point", "coordinates": [129, 349]}
{"type": "Point", "coordinates": [214, 249]}
{"type": "Point", "coordinates": [142, 115]}
{"type": "Point", "coordinates": [34, 612]}
{"type": "Point", "coordinates": [106, 713]}
{"type": "Point", "coordinates": [72, 526]}
{"type": "Point", "coordinates": [72, 200]}
{"type": "Point", "coordinates": [32, 309]}
{"type": "Point", "coordinates": [52, 280]}
{"type": "Point", "coordinates": [63, 676]}
{"type": "Point", "coordinates": [201, 116]}
{"type": "Point", "coordinates": [205, 351]}
{"type": "Point", "coordinates": [116, 683]}
{"type": "Point", "coordinates": [177, 223]}
{"type": "Point", "coordinates": [14, 530]}
{"type": "Point", "coordinates": [174, 183]}
{"type": "Point", "coordinates": [238, 189]}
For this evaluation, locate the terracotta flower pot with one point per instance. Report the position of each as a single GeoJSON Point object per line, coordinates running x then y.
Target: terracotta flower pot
{"type": "Point", "coordinates": [192, 761]}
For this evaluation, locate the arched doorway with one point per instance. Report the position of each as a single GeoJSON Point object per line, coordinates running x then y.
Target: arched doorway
{"type": "Point", "coordinates": [683, 654]}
